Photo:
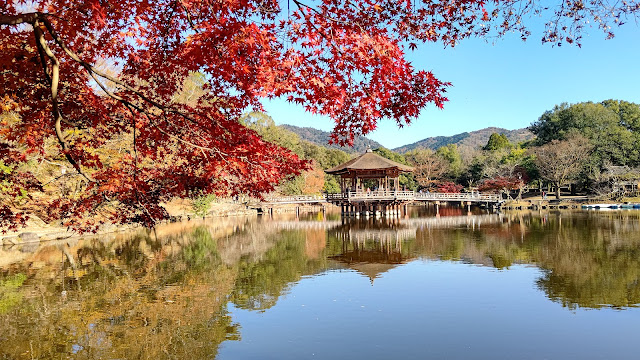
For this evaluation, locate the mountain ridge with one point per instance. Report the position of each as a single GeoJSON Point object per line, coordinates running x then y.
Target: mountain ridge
{"type": "Point", "coordinates": [471, 139]}
{"type": "Point", "coordinates": [321, 138]}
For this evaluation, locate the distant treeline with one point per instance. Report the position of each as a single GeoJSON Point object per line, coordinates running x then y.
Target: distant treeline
{"type": "Point", "coordinates": [585, 146]}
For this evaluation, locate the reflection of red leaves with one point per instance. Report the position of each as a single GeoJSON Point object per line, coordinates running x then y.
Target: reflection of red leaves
{"type": "Point", "coordinates": [451, 211]}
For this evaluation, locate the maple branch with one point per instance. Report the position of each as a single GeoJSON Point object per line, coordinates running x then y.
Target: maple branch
{"type": "Point", "coordinates": [93, 70]}
{"type": "Point", "coordinates": [301, 4]}
{"type": "Point", "coordinates": [34, 17]}
{"type": "Point", "coordinates": [193, 26]}
{"type": "Point", "coordinates": [129, 105]}
{"type": "Point", "coordinates": [38, 35]}
{"type": "Point", "coordinates": [28, 18]}
{"type": "Point", "coordinates": [54, 80]}
{"type": "Point", "coordinates": [52, 76]}
{"type": "Point", "coordinates": [324, 36]}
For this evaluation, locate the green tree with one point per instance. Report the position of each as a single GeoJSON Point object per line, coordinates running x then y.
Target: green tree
{"type": "Point", "coordinates": [611, 127]}
{"type": "Point", "coordinates": [628, 112]}
{"type": "Point", "coordinates": [266, 127]}
{"type": "Point", "coordinates": [391, 155]}
{"type": "Point", "coordinates": [497, 142]}
{"type": "Point", "coordinates": [452, 155]}
{"type": "Point", "coordinates": [333, 157]}
{"type": "Point", "coordinates": [406, 180]}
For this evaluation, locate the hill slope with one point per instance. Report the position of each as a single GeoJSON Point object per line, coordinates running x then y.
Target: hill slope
{"type": "Point", "coordinates": [321, 138]}
{"type": "Point", "coordinates": [473, 139]}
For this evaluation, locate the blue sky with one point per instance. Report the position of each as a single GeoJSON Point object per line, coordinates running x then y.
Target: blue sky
{"type": "Point", "coordinates": [508, 84]}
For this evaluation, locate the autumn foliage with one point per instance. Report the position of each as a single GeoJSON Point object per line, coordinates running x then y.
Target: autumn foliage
{"type": "Point", "coordinates": [95, 75]}
{"type": "Point", "coordinates": [501, 183]}
{"type": "Point", "coordinates": [448, 187]}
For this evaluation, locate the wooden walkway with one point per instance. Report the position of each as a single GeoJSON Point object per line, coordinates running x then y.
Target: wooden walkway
{"type": "Point", "coordinates": [372, 196]}
{"type": "Point", "coordinates": [354, 196]}
{"type": "Point", "coordinates": [296, 199]}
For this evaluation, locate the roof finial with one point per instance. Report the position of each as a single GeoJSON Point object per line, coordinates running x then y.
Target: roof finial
{"type": "Point", "coordinates": [369, 148]}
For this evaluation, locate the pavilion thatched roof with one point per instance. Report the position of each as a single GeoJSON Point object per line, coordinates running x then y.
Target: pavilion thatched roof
{"type": "Point", "coordinates": [368, 161]}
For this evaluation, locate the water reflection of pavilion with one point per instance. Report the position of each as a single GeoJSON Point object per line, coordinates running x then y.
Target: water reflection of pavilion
{"type": "Point", "coordinates": [373, 247]}
{"type": "Point", "coordinates": [369, 247]}
{"type": "Point", "coordinates": [371, 252]}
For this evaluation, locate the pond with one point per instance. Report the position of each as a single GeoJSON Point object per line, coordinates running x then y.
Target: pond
{"type": "Point", "coordinates": [457, 285]}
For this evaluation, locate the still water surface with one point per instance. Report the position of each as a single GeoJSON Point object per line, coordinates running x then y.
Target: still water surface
{"type": "Point", "coordinates": [550, 285]}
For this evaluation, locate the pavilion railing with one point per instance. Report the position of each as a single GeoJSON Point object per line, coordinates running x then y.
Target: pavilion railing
{"type": "Point", "coordinates": [372, 195]}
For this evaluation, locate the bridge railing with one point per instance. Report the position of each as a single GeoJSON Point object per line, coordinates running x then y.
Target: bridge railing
{"type": "Point", "coordinates": [295, 199]}
{"type": "Point", "coordinates": [383, 195]}
{"type": "Point", "coordinates": [458, 197]}
{"type": "Point", "coordinates": [411, 195]}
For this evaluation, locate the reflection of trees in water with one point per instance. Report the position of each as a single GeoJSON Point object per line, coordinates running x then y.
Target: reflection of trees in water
{"type": "Point", "coordinates": [589, 259]}
{"type": "Point", "coordinates": [134, 301]}
{"type": "Point", "coordinates": [260, 283]}
{"type": "Point", "coordinates": [593, 261]}
{"type": "Point", "coordinates": [146, 296]}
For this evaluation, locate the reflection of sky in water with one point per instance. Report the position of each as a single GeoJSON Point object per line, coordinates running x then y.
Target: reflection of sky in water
{"type": "Point", "coordinates": [430, 309]}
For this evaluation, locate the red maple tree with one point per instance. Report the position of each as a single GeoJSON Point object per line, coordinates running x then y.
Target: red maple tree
{"type": "Point", "coordinates": [448, 187]}
{"type": "Point", "coordinates": [343, 59]}
{"type": "Point", "coordinates": [506, 183]}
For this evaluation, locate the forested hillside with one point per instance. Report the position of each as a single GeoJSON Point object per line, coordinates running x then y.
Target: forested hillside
{"type": "Point", "coordinates": [321, 138]}
{"type": "Point", "coordinates": [473, 139]}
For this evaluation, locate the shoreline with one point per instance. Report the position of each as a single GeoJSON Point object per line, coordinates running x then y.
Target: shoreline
{"type": "Point", "coordinates": [38, 231]}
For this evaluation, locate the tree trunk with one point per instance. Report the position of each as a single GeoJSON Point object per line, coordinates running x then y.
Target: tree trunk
{"type": "Point", "coordinates": [558, 191]}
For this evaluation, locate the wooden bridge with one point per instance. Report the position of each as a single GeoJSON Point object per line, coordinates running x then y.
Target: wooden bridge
{"type": "Point", "coordinates": [295, 199]}
{"type": "Point", "coordinates": [374, 202]}
{"type": "Point", "coordinates": [357, 196]}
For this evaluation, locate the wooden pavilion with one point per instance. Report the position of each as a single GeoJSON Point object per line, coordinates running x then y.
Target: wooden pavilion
{"type": "Point", "coordinates": [366, 167]}
{"type": "Point", "coordinates": [370, 184]}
